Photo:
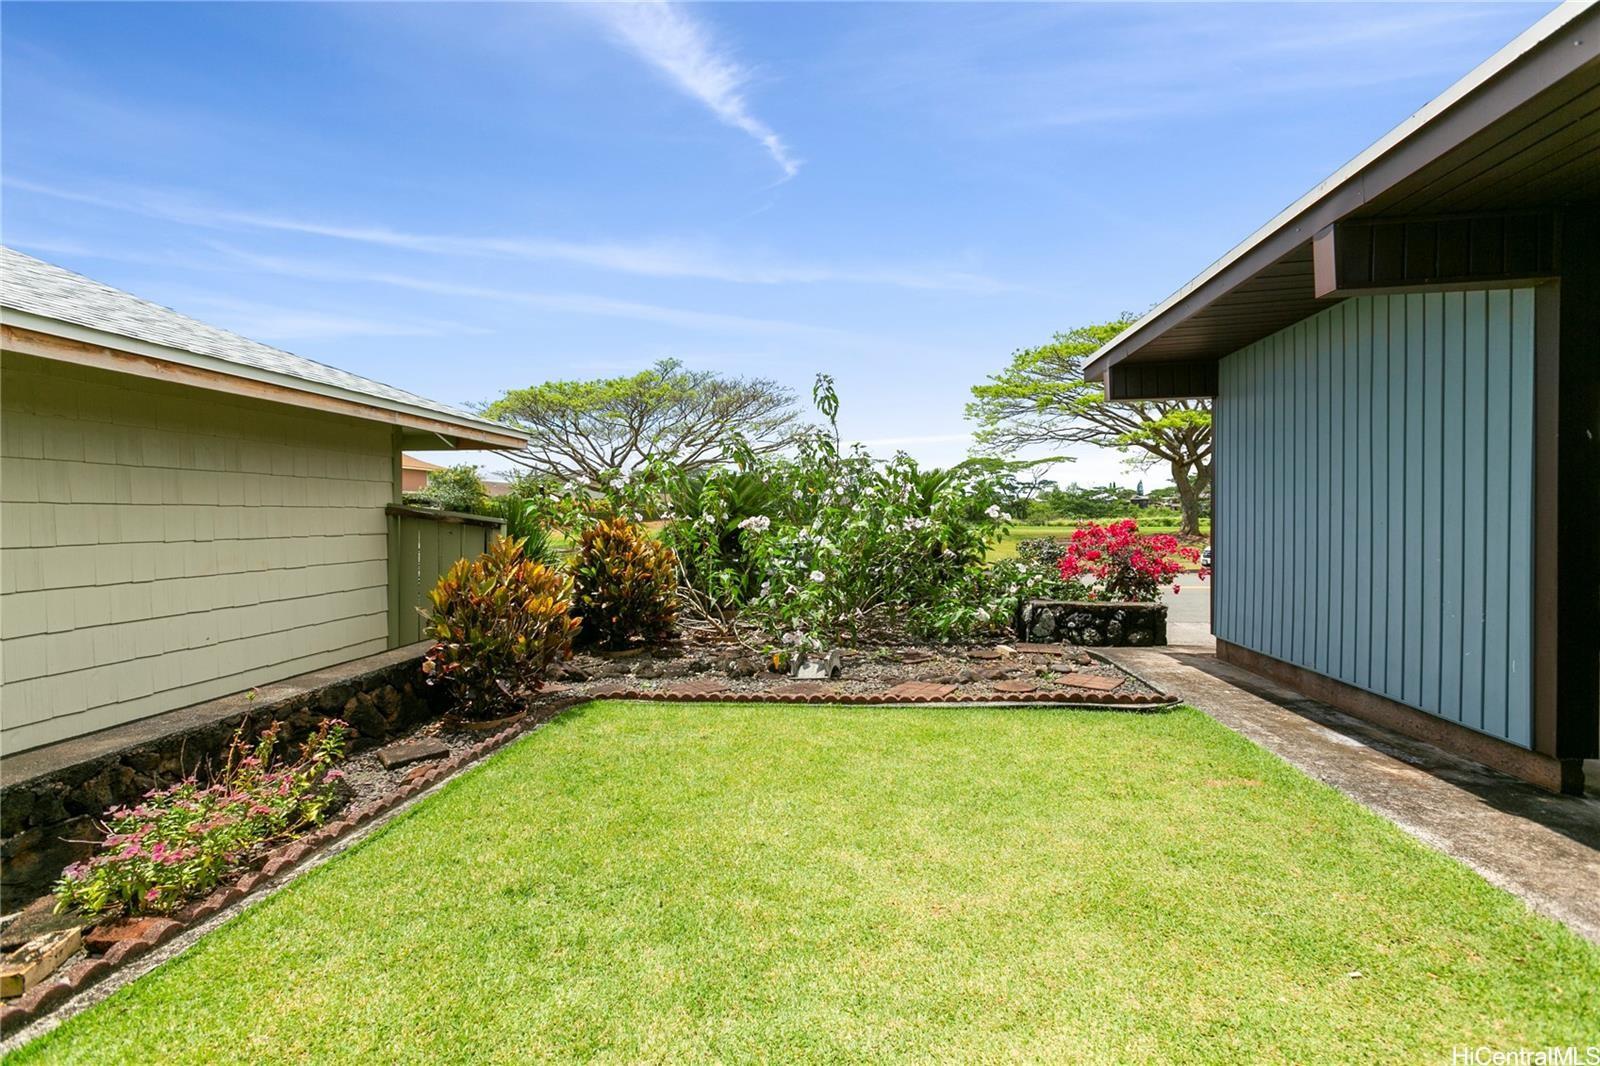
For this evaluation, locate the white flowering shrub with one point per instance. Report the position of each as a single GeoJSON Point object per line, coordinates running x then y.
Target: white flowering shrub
{"type": "Point", "coordinates": [821, 546]}
{"type": "Point", "coordinates": [859, 544]}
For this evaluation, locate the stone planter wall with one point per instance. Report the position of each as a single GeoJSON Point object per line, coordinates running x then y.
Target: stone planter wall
{"type": "Point", "coordinates": [52, 796]}
{"type": "Point", "coordinates": [1092, 625]}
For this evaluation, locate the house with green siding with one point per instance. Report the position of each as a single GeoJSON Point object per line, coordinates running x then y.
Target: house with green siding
{"type": "Point", "coordinates": [1405, 365]}
{"type": "Point", "coordinates": [186, 513]}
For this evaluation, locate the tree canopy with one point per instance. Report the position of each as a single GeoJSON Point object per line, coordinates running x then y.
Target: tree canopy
{"type": "Point", "coordinates": [587, 431]}
{"type": "Point", "coordinates": [1041, 399]}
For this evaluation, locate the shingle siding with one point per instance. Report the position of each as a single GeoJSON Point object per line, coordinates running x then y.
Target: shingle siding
{"type": "Point", "coordinates": [164, 545]}
{"type": "Point", "coordinates": [1374, 498]}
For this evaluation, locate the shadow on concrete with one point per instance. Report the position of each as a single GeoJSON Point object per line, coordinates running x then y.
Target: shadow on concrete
{"type": "Point", "coordinates": [1575, 817]}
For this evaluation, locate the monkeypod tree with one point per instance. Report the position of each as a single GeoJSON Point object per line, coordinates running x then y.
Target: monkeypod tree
{"type": "Point", "coordinates": [1042, 400]}
{"type": "Point", "coordinates": [588, 431]}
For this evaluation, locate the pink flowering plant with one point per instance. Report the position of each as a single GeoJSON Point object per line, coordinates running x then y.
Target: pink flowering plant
{"type": "Point", "coordinates": [179, 842]}
{"type": "Point", "coordinates": [1115, 562]}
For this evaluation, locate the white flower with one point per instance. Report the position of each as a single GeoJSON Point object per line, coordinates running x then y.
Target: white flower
{"type": "Point", "coordinates": [981, 614]}
{"type": "Point", "coordinates": [818, 576]}
{"type": "Point", "coordinates": [993, 511]}
{"type": "Point", "coordinates": [619, 482]}
{"type": "Point", "coordinates": [760, 523]}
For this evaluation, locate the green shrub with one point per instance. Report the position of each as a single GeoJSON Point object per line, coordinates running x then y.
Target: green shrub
{"type": "Point", "coordinates": [626, 584]}
{"type": "Point", "coordinates": [498, 623]}
{"type": "Point", "coordinates": [178, 842]}
{"type": "Point", "coordinates": [455, 488]}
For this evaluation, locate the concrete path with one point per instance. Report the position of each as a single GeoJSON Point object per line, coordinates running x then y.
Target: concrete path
{"type": "Point", "coordinates": [1541, 847]}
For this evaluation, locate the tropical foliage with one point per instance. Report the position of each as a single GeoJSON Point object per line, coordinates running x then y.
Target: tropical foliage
{"type": "Point", "coordinates": [499, 621]}
{"type": "Point", "coordinates": [625, 584]}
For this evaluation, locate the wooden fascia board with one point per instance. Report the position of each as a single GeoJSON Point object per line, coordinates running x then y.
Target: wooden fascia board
{"type": "Point", "coordinates": [149, 364]}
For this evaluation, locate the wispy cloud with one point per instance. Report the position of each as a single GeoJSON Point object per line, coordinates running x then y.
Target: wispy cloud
{"type": "Point", "coordinates": [301, 324]}
{"type": "Point", "coordinates": [683, 49]}
{"type": "Point", "coordinates": [659, 259]}
{"type": "Point", "coordinates": [565, 302]}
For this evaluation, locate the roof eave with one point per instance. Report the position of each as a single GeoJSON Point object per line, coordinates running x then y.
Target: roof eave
{"type": "Point", "coordinates": [1343, 191]}
{"type": "Point", "coordinates": [49, 338]}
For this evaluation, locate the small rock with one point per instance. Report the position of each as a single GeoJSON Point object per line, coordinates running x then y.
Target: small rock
{"type": "Point", "coordinates": [647, 669]}
{"type": "Point", "coordinates": [36, 919]}
{"type": "Point", "coordinates": [407, 752]}
{"type": "Point", "coordinates": [741, 668]}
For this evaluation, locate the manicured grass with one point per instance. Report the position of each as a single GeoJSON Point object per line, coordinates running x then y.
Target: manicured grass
{"type": "Point", "coordinates": [680, 882]}
{"type": "Point", "coordinates": [1007, 546]}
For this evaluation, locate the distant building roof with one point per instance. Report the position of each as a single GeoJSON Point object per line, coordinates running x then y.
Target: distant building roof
{"type": "Point", "coordinates": [44, 298]}
{"type": "Point", "coordinates": [411, 462]}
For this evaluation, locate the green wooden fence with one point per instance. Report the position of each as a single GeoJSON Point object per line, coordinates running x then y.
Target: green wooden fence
{"type": "Point", "coordinates": [423, 544]}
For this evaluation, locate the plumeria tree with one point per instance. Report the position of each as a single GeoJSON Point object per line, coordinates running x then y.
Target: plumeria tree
{"type": "Point", "coordinates": [865, 542]}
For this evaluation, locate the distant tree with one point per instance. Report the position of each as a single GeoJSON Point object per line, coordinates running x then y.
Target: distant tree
{"type": "Point", "coordinates": [1041, 399]}
{"type": "Point", "coordinates": [587, 431]}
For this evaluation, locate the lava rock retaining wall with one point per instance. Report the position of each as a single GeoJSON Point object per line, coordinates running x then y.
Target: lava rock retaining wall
{"type": "Point", "coordinates": [1093, 625]}
{"type": "Point", "coordinates": [45, 816]}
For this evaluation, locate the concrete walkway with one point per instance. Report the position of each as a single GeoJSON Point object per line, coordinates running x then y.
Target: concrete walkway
{"type": "Point", "coordinates": [1541, 847]}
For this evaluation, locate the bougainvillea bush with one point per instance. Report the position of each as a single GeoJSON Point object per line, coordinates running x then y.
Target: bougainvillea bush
{"type": "Point", "coordinates": [179, 842]}
{"type": "Point", "coordinates": [498, 622]}
{"type": "Point", "coordinates": [625, 584]}
{"type": "Point", "coordinates": [1116, 562]}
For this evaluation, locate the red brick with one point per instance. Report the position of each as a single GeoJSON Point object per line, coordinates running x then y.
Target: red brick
{"type": "Point", "coordinates": [923, 691]}
{"type": "Point", "coordinates": [101, 938]}
{"type": "Point", "coordinates": [1016, 686]}
{"type": "Point", "coordinates": [13, 1017]}
{"type": "Point", "coordinates": [39, 1000]}
{"type": "Point", "coordinates": [126, 951]}
{"type": "Point", "coordinates": [1092, 682]}
{"type": "Point", "coordinates": [86, 973]}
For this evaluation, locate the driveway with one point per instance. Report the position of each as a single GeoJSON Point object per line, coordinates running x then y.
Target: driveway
{"type": "Point", "coordinates": [1189, 613]}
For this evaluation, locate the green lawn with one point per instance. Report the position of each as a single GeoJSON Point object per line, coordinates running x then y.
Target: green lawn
{"type": "Point", "coordinates": [685, 882]}
{"type": "Point", "coordinates": [1007, 546]}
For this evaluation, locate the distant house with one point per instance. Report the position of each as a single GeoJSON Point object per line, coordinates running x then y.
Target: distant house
{"type": "Point", "coordinates": [414, 476]}
{"type": "Point", "coordinates": [1406, 368]}
{"type": "Point", "coordinates": [186, 513]}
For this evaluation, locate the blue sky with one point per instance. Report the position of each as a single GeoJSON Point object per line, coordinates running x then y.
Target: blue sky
{"type": "Point", "coordinates": [463, 198]}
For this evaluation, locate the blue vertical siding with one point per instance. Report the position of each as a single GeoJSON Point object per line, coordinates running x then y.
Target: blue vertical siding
{"type": "Point", "coordinates": [1374, 501]}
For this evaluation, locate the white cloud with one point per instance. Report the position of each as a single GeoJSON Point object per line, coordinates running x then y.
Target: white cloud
{"type": "Point", "coordinates": [666, 37]}
{"type": "Point", "coordinates": [563, 302]}
{"type": "Point", "coordinates": [659, 259]}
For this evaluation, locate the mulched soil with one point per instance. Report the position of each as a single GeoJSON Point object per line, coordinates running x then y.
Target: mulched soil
{"type": "Point", "coordinates": [977, 671]}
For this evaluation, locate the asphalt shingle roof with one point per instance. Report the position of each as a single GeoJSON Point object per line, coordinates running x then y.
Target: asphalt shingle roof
{"type": "Point", "coordinates": [44, 289]}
